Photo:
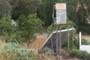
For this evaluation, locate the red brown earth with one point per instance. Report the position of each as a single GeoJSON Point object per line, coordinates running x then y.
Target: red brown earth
{"type": "Point", "coordinates": [38, 43]}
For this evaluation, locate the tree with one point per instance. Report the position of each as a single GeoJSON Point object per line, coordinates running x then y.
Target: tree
{"type": "Point", "coordinates": [45, 11]}
{"type": "Point", "coordinates": [77, 10]}
{"type": "Point", "coordinates": [24, 7]}
{"type": "Point", "coordinates": [25, 30]}
{"type": "Point", "coordinates": [6, 28]}
{"type": "Point", "coordinates": [5, 8]}
{"type": "Point", "coordinates": [27, 27]}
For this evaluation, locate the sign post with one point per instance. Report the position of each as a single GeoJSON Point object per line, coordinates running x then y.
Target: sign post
{"type": "Point", "coordinates": [60, 18]}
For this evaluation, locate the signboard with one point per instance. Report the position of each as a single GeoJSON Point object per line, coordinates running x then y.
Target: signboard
{"type": "Point", "coordinates": [61, 16]}
{"type": "Point", "coordinates": [83, 47]}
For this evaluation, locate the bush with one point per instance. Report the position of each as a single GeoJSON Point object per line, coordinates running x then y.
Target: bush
{"type": "Point", "coordinates": [27, 27]}
{"type": "Point", "coordinates": [80, 54]}
{"type": "Point", "coordinates": [46, 49]}
{"type": "Point", "coordinates": [12, 51]}
{"type": "Point", "coordinates": [25, 30]}
{"type": "Point", "coordinates": [75, 44]}
{"type": "Point", "coordinates": [85, 28]}
{"type": "Point", "coordinates": [53, 27]}
{"type": "Point", "coordinates": [6, 28]}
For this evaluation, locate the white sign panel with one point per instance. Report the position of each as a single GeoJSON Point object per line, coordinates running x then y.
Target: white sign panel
{"type": "Point", "coordinates": [61, 17]}
{"type": "Point", "coordinates": [83, 47]}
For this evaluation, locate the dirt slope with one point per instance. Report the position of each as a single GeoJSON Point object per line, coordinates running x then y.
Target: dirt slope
{"type": "Point", "coordinates": [40, 40]}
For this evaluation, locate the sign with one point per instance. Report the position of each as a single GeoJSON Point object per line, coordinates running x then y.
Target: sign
{"type": "Point", "coordinates": [61, 17]}
{"type": "Point", "coordinates": [81, 46]}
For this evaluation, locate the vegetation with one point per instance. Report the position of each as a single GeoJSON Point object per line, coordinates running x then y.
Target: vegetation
{"type": "Point", "coordinates": [26, 27]}
{"type": "Point", "coordinates": [24, 7]}
{"type": "Point", "coordinates": [31, 16]}
{"type": "Point", "coordinates": [80, 54]}
{"type": "Point", "coordinates": [5, 8]}
{"type": "Point", "coordinates": [52, 27]}
{"type": "Point", "coordinates": [85, 28]}
{"type": "Point", "coordinates": [77, 11]}
{"type": "Point", "coordinates": [74, 43]}
{"type": "Point", "coordinates": [13, 51]}
{"type": "Point", "coordinates": [6, 28]}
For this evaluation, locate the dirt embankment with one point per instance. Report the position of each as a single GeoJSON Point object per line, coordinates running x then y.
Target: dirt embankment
{"type": "Point", "coordinates": [38, 43]}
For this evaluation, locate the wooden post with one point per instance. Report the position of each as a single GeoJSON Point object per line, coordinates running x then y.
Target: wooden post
{"type": "Point", "coordinates": [60, 19]}
{"type": "Point", "coordinates": [57, 47]}
{"type": "Point", "coordinates": [68, 40]}
{"type": "Point", "coordinates": [80, 38]}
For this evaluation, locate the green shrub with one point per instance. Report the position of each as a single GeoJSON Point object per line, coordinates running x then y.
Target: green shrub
{"type": "Point", "coordinates": [14, 51]}
{"type": "Point", "coordinates": [6, 28]}
{"type": "Point", "coordinates": [27, 27]}
{"type": "Point", "coordinates": [46, 50]}
{"type": "Point", "coordinates": [75, 44]}
{"type": "Point", "coordinates": [72, 44]}
{"type": "Point", "coordinates": [85, 28]}
{"type": "Point", "coordinates": [80, 54]}
{"type": "Point", "coordinates": [25, 30]}
{"type": "Point", "coordinates": [53, 27]}
{"type": "Point", "coordinates": [74, 53]}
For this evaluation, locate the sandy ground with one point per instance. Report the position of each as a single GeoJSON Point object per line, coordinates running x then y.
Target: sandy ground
{"type": "Point", "coordinates": [1, 43]}
{"type": "Point", "coordinates": [87, 37]}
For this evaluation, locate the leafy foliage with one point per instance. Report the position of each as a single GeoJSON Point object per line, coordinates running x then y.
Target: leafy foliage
{"type": "Point", "coordinates": [12, 51]}
{"type": "Point", "coordinates": [77, 10]}
{"type": "Point", "coordinates": [24, 7]}
{"type": "Point", "coordinates": [6, 28]}
{"type": "Point", "coordinates": [5, 8]}
{"type": "Point", "coordinates": [45, 11]}
{"type": "Point", "coordinates": [53, 27]}
{"type": "Point", "coordinates": [27, 26]}
{"type": "Point", "coordinates": [74, 43]}
{"type": "Point", "coordinates": [85, 28]}
{"type": "Point", "coordinates": [44, 50]}
{"type": "Point", "coordinates": [25, 30]}
{"type": "Point", "coordinates": [80, 54]}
